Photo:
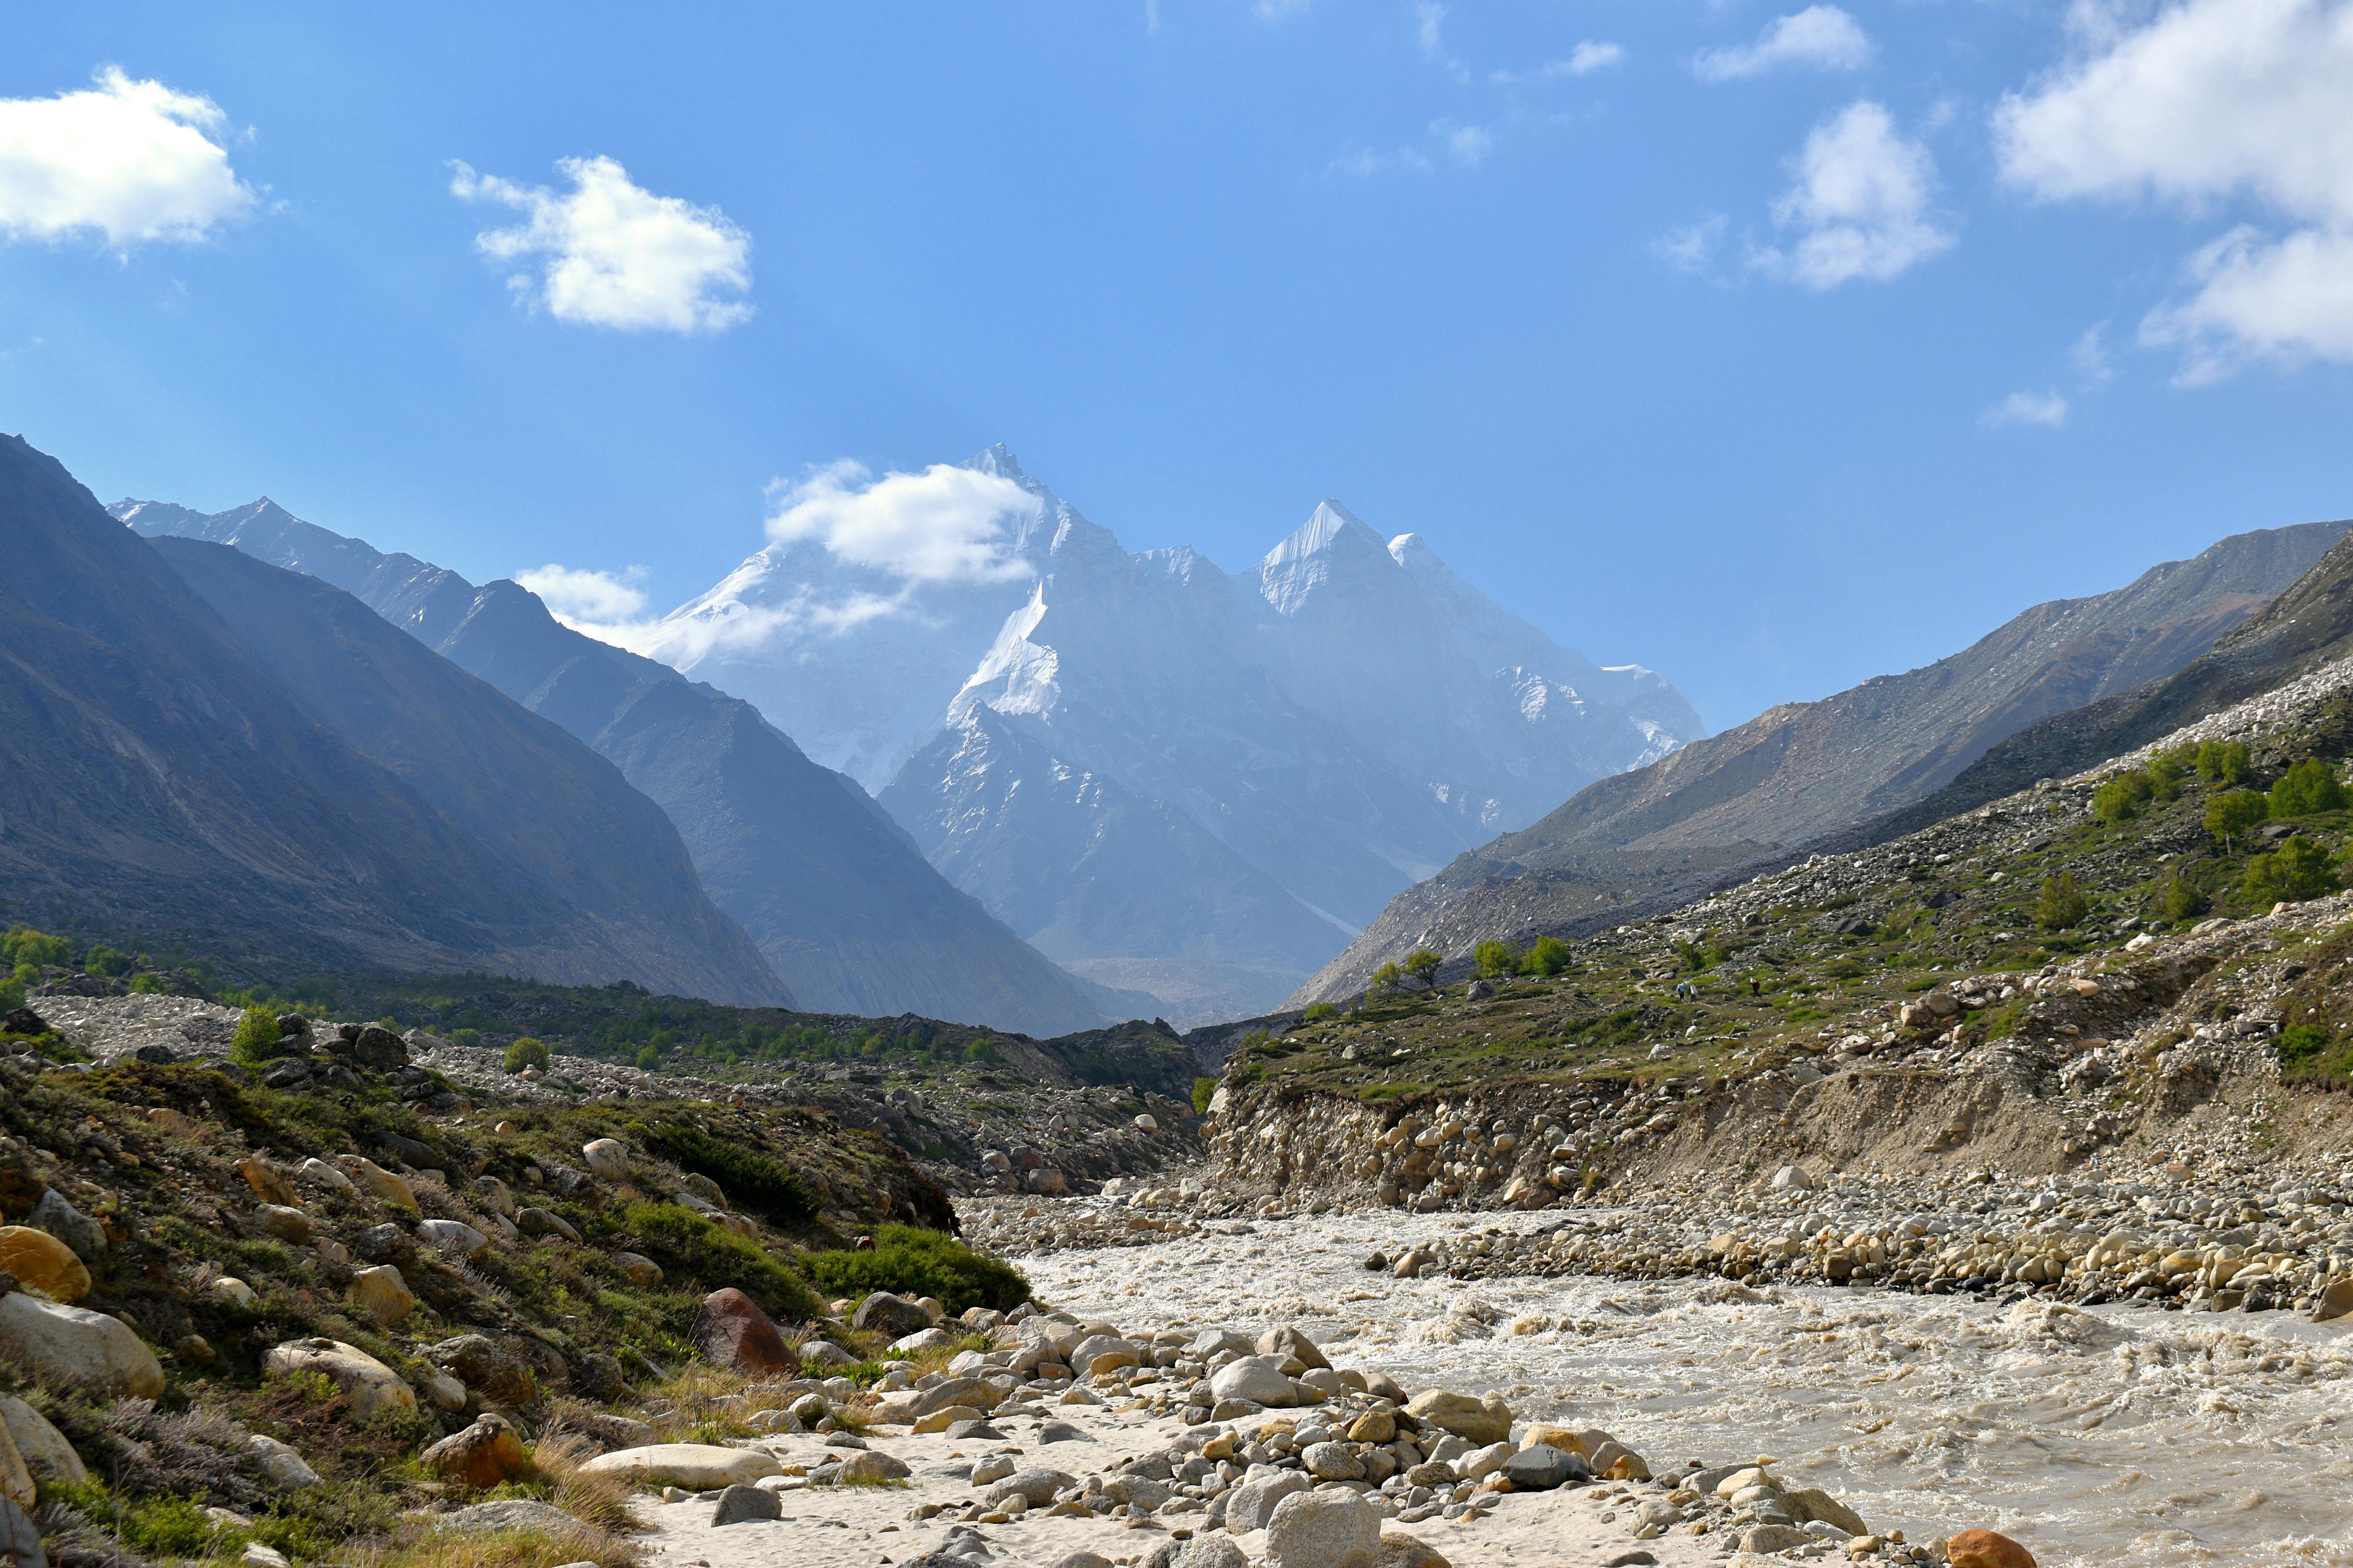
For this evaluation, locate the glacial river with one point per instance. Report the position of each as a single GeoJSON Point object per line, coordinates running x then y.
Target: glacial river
{"type": "Point", "coordinates": [2114, 1436]}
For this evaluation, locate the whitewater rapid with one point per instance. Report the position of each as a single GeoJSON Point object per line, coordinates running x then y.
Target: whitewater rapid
{"type": "Point", "coordinates": [2120, 1435]}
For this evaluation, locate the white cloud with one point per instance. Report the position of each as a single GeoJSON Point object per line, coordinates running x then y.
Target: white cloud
{"type": "Point", "coordinates": [1593, 55]}
{"type": "Point", "coordinates": [1451, 140]}
{"type": "Point", "coordinates": [1821, 36]}
{"type": "Point", "coordinates": [128, 161]}
{"type": "Point", "coordinates": [2090, 356]}
{"type": "Point", "coordinates": [945, 524]}
{"type": "Point", "coordinates": [2205, 102]}
{"type": "Point", "coordinates": [1859, 203]}
{"type": "Point", "coordinates": [575, 596]}
{"type": "Point", "coordinates": [2048, 409]}
{"type": "Point", "coordinates": [1692, 249]}
{"type": "Point", "coordinates": [608, 253]}
{"type": "Point", "coordinates": [1278, 10]}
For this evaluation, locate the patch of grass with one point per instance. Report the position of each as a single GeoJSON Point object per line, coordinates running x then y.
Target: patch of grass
{"type": "Point", "coordinates": [690, 1248]}
{"type": "Point", "coordinates": [753, 1182]}
{"type": "Point", "coordinates": [911, 1262]}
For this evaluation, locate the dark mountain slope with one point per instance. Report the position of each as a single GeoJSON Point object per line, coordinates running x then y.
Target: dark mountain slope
{"type": "Point", "coordinates": [537, 798]}
{"type": "Point", "coordinates": [1803, 770]}
{"type": "Point", "coordinates": [164, 783]}
{"type": "Point", "coordinates": [833, 893]}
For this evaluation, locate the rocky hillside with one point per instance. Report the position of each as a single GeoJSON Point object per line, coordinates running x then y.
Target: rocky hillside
{"type": "Point", "coordinates": [1799, 772]}
{"type": "Point", "coordinates": [2111, 970]}
{"type": "Point", "coordinates": [320, 1304]}
{"type": "Point", "coordinates": [169, 783]}
{"type": "Point", "coordinates": [843, 909]}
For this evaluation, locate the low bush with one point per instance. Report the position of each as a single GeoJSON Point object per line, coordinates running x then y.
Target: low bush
{"type": "Point", "coordinates": [690, 1248]}
{"type": "Point", "coordinates": [2310, 786]}
{"type": "Point", "coordinates": [754, 1183]}
{"type": "Point", "coordinates": [2296, 870]}
{"type": "Point", "coordinates": [1318, 1012]}
{"type": "Point", "coordinates": [1497, 960]}
{"type": "Point", "coordinates": [527, 1052]}
{"type": "Point", "coordinates": [909, 1262]}
{"type": "Point", "coordinates": [1548, 956]}
{"type": "Point", "coordinates": [257, 1039]}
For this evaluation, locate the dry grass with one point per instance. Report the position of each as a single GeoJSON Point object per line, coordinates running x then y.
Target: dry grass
{"type": "Point", "coordinates": [420, 1545]}
{"type": "Point", "coordinates": [601, 1500]}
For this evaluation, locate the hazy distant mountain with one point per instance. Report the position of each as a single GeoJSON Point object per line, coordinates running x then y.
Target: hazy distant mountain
{"type": "Point", "coordinates": [167, 784]}
{"type": "Point", "coordinates": [1165, 775]}
{"type": "Point", "coordinates": [841, 905]}
{"type": "Point", "coordinates": [1797, 771]}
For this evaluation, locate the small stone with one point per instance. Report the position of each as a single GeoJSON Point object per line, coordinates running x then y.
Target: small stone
{"type": "Point", "coordinates": [383, 1293]}
{"type": "Point", "coordinates": [546, 1222]}
{"type": "Point", "coordinates": [643, 1271]}
{"type": "Point", "coordinates": [481, 1456]}
{"type": "Point", "coordinates": [1769, 1538]}
{"type": "Point", "coordinates": [371, 1385]}
{"type": "Point", "coordinates": [736, 1333]}
{"type": "Point", "coordinates": [870, 1467]}
{"type": "Point", "coordinates": [1321, 1530]}
{"type": "Point", "coordinates": [42, 1262]}
{"type": "Point", "coordinates": [73, 1345]}
{"type": "Point", "coordinates": [1484, 1420]}
{"type": "Point", "coordinates": [1249, 1505]}
{"type": "Point", "coordinates": [318, 1173]}
{"type": "Point", "coordinates": [268, 1183]}
{"type": "Point", "coordinates": [1035, 1487]}
{"type": "Point", "coordinates": [893, 1317]}
{"type": "Point", "coordinates": [454, 1239]}
{"type": "Point", "coordinates": [1543, 1467]}
{"type": "Point", "coordinates": [256, 1555]}
{"type": "Point", "coordinates": [68, 1224]}
{"type": "Point", "coordinates": [607, 1158]}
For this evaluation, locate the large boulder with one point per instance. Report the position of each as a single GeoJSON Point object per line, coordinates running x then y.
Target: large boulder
{"type": "Point", "coordinates": [481, 1456]}
{"type": "Point", "coordinates": [44, 1447]}
{"type": "Point", "coordinates": [1985, 1549]}
{"type": "Point", "coordinates": [51, 1340]}
{"type": "Point", "coordinates": [1321, 1529]}
{"type": "Point", "coordinates": [41, 1262]}
{"type": "Point", "coordinates": [893, 1317]}
{"type": "Point", "coordinates": [955, 1391]}
{"type": "Point", "coordinates": [740, 1504]}
{"type": "Point", "coordinates": [1484, 1420]}
{"type": "Point", "coordinates": [68, 1224]}
{"type": "Point", "coordinates": [1036, 1487]}
{"type": "Point", "coordinates": [736, 1333]}
{"type": "Point", "coordinates": [371, 1385]}
{"type": "Point", "coordinates": [643, 1271]}
{"type": "Point", "coordinates": [696, 1467]}
{"type": "Point", "coordinates": [1289, 1341]}
{"type": "Point", "coordinates": [476, 1361]}
{"type": "Point", "coordinates": [546, 1222]}
{"type": "Point", "coordinates": [1541, 1468]}
{"type": "Point", "coordinates": [383, 1294]}
{"type": "Point", "coordinates": [607, 1158]}
{"type": "Point", "coordinates": [1257, 1378]}
{"type": "Point", "coordinates": [1249, 1505]}
{"type": "Point", "coordinates": [378, 1049]}
{"type": "Point", "coordinates": [288, 1470]}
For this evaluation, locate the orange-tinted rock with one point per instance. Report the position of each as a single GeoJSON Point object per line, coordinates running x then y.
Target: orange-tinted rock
{"type": "Point", "coordinates": [41, 1262]}
{"type": "Point", "coordinates": [482, 1456]}
{"type": "Point", "coordinates": [1984, 1549]}
{"type": "Point", "coordinates": [736, 1333]}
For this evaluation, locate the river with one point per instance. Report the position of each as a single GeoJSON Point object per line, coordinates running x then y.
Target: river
{"type": "Point", "coordinates": [2119, 1436]}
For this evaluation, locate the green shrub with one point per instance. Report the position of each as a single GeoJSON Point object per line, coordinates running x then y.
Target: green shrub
{"type": "Point", "coordinates": [2061, 904]}
{"type": "Point", "coordinates": [1385, 979]}
{"type": "Point", "coordinates": [1319, 1011]}
{"type": "Point", "coordinates": [1549, 956]}
{"type": "Point", "coordinates": [1423, 965]}
{"type": "Point", "coordinates": [101, 959]}
{"type": "Point", "coordinates": [2296, 870]}
{"type": "Point", "coordinates": [1203, 1087]}
{"type": "Point", "coordinates": [981, 1050]}
{"type": "Point", "coordinates": [2166, 770]}
{"type": "Point", "coordinates": [2121, 796]}
{"type": "Point", "coordinates": [147, 986]}
{"type": "Point", "coordinates": [23, 947]}
{"type": "Point", "coordinates": [2182, 899]}
{"type": "Point", "coordinates": [908, 1261]}
{"type": "Point", "coordinates": [2309, 786]}
{"type": "Point", "coordinates": [755, 1182]}
{"type": "Point", "coordinates": [527, 1052]}
{"type": "Point", "coordinates": [690, 1248]}
{"type": "Point", "coordinates": [648, 1060]}
{"type": "Point", "coordinates": [12, 994]}
{"type": "Point", "coordinates": [2233, 812]}
{"type": "Point", "coordinates": [2301, 1044]}
{"type": "Point", "coordinates": [258, 1039]}
{"type": "Point", "coordinates": [471, 1038]}
{"type": "Point", "coordinates": [2223, 762]}
{"type": "Point", "coordinates": [1497, 960]}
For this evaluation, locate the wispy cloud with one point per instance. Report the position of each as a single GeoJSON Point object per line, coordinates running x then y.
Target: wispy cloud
{"type": "Point", "coordinates": [1591, 56]}
{"type": "Point", "coordinates": [608, 253]}
{"type": "Point", "coordinates": [2048, 409]}
{"type": "Point", "coordinates": [1693, 248]}
{"type": "Point", "coordinates": [126, 162]}
{"type": "Point", "coordinates": [1449, 142]}
{"type": "Point", "coordinates": [573, 595]}
{"type": "Point", "coordinates": [1429, 37]}
{"type": "Point", "coordinates": [1821, 36]}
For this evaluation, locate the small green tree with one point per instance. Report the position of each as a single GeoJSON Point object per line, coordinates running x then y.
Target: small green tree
{"type": "Point", "coordinates": [2166, 770]}
{"type": "Point", "coordinates": [2224, 762]}
{"type": "Point", "coordinates": [2296, 870]}
{"type": "Point", "coordinates": [2183, 900]}
{"type": "Point", "coordinates": [103, 959]}
{"type": "Point", "coordinates": [648, 1060]}
{"type": "Point", "coordinates": [468, 1037]}
{"type": "Point", "coordinates": [2061, 904]}
{"type": "Point", "coordinates": [2310, 786]}
{"type": "Point", "coordinates": [2122, 796]}
{"type": "Point", "coordinates": [2233, 812]}
{"type": "Point", "coordinates": [1497, 960]}
{"type": "Point", "coordinates": [527, 1052]}
{"type": "Point", "coordinates": [1385, 979]}
{"type": "Point", "coordinates": [1423, 965]}
{"type": "Point", "coordinates": [1319, 1011]}
{"type": "Point", "coordinates": [981, 1050]}
{"type": "Point", "coordinates": [256, 1038]}
{"type": "Point", "coordinates": [1203, 1087]}
{"type": "Point", "coordinates": [1548, 956]}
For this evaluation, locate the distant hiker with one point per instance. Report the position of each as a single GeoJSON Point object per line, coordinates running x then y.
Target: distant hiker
{"type": "Point", "coordinates": [1755, 987]}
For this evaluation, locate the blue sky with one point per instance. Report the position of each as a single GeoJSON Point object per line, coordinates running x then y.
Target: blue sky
{"type": "Point", "coordinates": [1773, 347]}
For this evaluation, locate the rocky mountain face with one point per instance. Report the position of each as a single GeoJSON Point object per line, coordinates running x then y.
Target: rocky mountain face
{"type": "Point", "coordinates": [1167, 776]}
{"type": "Point", "coordinates": [1799, 772]}
{"type": "Point", "coordinates": [167, 782]}
{"type": "Point", "coordinates": [839, 902]}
